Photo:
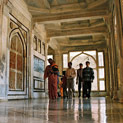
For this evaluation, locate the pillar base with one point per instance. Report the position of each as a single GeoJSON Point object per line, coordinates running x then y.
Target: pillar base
{"type": "Point", "coordinates": [115, 97]}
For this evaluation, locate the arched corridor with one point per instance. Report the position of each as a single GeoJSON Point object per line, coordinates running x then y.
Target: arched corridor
{"type": "Point", "coordinates": [32, 31]}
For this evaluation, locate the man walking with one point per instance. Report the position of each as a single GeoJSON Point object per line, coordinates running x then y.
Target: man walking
{"type": "Point", "coordinates": [70, 75]}
{"type": "Point", "coordinates": [79, 78]}
{"type": "Point", "coordinates": [88, 77]}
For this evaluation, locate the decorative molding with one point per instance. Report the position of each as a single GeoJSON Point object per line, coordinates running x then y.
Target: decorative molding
{"type": "Point", "coordinates": [75, 32]}
{"type": "Point", "coordinates": [22, 9]}
{"type": "Point", "coordinates": [65, 17]}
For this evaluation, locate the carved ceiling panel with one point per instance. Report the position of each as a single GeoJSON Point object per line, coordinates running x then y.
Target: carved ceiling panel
{"type": "Point", "coordinates": [75, 22]}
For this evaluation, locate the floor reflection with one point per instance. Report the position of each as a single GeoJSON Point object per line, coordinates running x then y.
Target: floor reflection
{"type": "Point", "coordinates": [52, 115]}
{"type": "Point", "coordinates": [94, 110]}
{"type": "Point", "coordinates": [87, 113]}
{"type": "Point", "coordinates": [80, 110]}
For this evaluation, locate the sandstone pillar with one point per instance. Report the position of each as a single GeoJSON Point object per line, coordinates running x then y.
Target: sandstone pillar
{"type": "Point", "coordinates": [1, 16]}
{"type": "Point", "coordinates": [120, 47]}
{"type": "Point", "coordinates": [4, 15]}
{"type": "Point", "coordinates": [46, 53]}
{"type": "Point", "coordinates": [58, 59]}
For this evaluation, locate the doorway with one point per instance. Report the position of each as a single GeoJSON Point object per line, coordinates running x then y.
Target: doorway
{"type": "Point", "coordinates": [96, 59]}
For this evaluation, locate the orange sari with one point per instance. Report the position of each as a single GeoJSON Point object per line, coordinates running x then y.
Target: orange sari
{"type": "Point", "coordinates": [52, 82]}
{"type": "Point", "coordinates": [61, 88]}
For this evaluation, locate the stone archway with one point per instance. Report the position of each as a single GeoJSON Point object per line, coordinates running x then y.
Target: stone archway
{"type": "Point", "coordinates": [82, 58]}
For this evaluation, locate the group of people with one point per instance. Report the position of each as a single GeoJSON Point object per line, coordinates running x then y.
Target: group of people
{"type": "Point", "coordinates": [84, 79]}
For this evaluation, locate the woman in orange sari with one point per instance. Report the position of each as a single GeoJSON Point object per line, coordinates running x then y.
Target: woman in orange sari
{"type": "Point", "coordinates": [51, 72]}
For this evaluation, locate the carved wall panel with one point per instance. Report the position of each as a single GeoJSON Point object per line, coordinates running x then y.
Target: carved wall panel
{"type": "Point", "coordinates": [12, 79]}
{"type": "Point", "coordinates": [17, 82]}
{"type": "Point", "coordinates": [16, 64]}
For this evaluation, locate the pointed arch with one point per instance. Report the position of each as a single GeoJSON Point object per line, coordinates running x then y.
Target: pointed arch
{"type": "Point", "coordinates": [85, 54]}
{"type": "Point", "coordinates": [18, 32]}
{"type": "Point", "coordinates": [17, 59]}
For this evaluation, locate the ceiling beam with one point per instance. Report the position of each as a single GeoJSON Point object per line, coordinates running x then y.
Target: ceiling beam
{"type": "Point", "coordinates": [96, 3]}
{"type": "Point", "coordinates": [98, 23]}
{"type": "Point", "coordinates": [64, 17]}
{"type": "Point", "coordinates": [38, 10]}
{"type": "Point", "coordinates": [71, 7]}
{"type": "Point", "coordinates": [101, 30]}
{"type": "Point", "coordinates": [77, 24]}
{"type": "Point", "coordinates": [68, 7]}
{"type": "Point", "coordinates": [81, 24]}
{"type": "Point", "coordinates": [81, 38]}
{"type": "Point", "coordinates": [80, 44]}
{"type": "Point", "coordinates": [77, 6]}
{"type": "Point", "coordinates": [83, 47]}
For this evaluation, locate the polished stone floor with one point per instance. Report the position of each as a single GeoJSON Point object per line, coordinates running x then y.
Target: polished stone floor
{"type": "Point", "coordinates": [94, 110]}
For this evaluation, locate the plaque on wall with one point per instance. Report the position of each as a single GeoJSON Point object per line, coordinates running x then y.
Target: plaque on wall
{"type": "Point", "coordinates": [38, 85]}
{"type": "Point", "coordinates": [39, 66]}
{"type": "Point", "coordinates": [38, 79]}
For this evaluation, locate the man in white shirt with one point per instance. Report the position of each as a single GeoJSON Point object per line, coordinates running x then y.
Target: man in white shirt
{"type": "Point", "coordinates": [70, 74]}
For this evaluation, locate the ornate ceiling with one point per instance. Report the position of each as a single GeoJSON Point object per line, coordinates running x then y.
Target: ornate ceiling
{"type": "Point", "coordinates": [72, 22]}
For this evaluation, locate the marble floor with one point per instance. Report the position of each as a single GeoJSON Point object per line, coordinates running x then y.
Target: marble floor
{"type": "Point", "coordinates": [94, 110]}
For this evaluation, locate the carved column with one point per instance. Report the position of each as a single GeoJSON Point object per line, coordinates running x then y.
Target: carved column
{"type": "Point", "coordinates": [4, 17]}
{"type": "Point", "coordinates": [112, 58]}
{"type": "Point", "coordinates": [2, 3]}
{"type": "Point", "coordinates": [46, 53]}
{"type": "Point", "coordinates": [58, 59]}
{"type": "Point", "coordinates": [120, 49]}
{"type": "Point", "coordinates": [108, 21]}
{"type": "Point", "coordinates": [1, 15]}
{"type": "Point", "coordinates": [114, 52]}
